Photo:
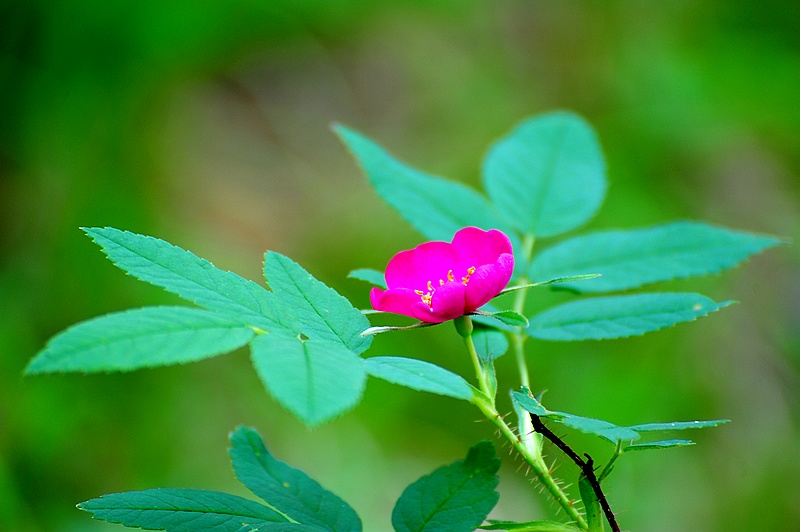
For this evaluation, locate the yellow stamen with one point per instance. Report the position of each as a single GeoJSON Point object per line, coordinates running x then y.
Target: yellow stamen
{"type": "Point", "coordinates": [450, 276]}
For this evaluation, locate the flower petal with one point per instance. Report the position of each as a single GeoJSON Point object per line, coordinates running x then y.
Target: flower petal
{"type": "Point", "coordinates": [475, 247]}
{"type": "Point", "coordinates": [447, 302]}
{"type": "Point", "coordinates": [413, 268]}
{"type": "Point", "coordinates": [396, 300]}
{"type": "Point", "coordinates": [488, 281]}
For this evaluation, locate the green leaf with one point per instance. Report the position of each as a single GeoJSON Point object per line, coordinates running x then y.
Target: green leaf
{"type": "Point", "coordinates": [557, 280]}
{"type": "Point", "coordinates": [181, 510]}
{"type": "Point", "coordinates": [630, 259]}
{"type": "Point", "coordinates": [192, 278]}
{"type": "Point", "coordinates": [594, 512]}
{"type": "Point", "coordinates": [315, 380]}
{"type": "Point", "coordinates": [434, 206]}
{"type": "Point", "coordinates": [509, 317]}
{"type": "Point", "coordinates": [530, 404]}
{"type": "Point", "coordinates": [322, 312]}
{"type": "Point", "coordinates": [489, 343]}
{"type": "Point", "coordinates": [530, 526]}
{"type": "Point", "coordinates": [418, 375]}
{"type": "Point", "coordinates": [140, 338]}
{"type": "Point", "coordinates": [678, 425]}
{"type": "Point", "coordinates": [454, 498]}
{"type": "Point", "coordinates": [369, 275]}
{"type": "Point", "coordinates": [663, 444]}
{"type": "Point", "coordinates": [547, 175]}
{"type": "Point", "coordinates": [289, 490]}
{"type": "Point", "coordinates": [604, 318]}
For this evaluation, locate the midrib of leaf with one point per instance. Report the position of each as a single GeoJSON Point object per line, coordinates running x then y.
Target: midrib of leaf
{"type": "Point", "coordinates": [446, 500]}
{"type": "Point", "coordinates": [643, 317]}
{"type": "Point", "coordinates": [551, 164]}
{"type": "Point", "coordinates": [104, 341]}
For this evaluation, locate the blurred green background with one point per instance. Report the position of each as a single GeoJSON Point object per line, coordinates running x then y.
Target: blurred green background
{"type": "Point", "coordinates": [206, 124]}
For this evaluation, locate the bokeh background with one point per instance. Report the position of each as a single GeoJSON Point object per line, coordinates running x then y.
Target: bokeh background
{"type": "Point", "coordinates": [207, 124]}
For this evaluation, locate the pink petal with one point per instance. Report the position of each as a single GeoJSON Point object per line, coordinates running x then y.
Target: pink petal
{"type": "Point", "coordinates": [397, 300]}
{"type": "Point", "coordinates": [475, 247]}
{"type": "Point", "coordinates": [447, 303]}
{"type": "Point", "coordinates": [488, 281]}
{"type": "Point", "coordinates": [413, 268]}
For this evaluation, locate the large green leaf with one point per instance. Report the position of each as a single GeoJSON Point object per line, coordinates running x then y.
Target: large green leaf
{"type": "Point", "coordinates": [629, 259]}
{"type": "Point", "coordinates": [454, 498]}
{"type": "Point", "coordinates": [182, 510]}
{"type": "Point", "coordinates": [322, 312]}
{"type": "Point", "coordinates": [547, 175]}
{"type": "Point", "coordinates": [418, 375]}
{"type": "Point", "coordinates": [316, 380]}
{"type": "Point", "coordinates": [139, 338]}
{"type": "Point", "coordinates": [192, 278]}
{"type": "Point", "coordinates": [289, 490]}
{"type": "Point", "coordinates": [604, 318]}
{"type": "Point", "coordinates": [436, 207]}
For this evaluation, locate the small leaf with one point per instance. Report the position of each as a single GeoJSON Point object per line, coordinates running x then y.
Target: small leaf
{"type": "Point", "coordinates": [454, 498]}
{"type": "Point", "coordinates": [530, 526]}
{"type": "Point", "coordinates": [633, 258]}
{"type": "Point", "coordinates": [315, 380]}
{"type": "Point", "coordinates": [418, 375]}
{"type": "Point", "coordinates": [436, 207]}
{"type": "Point", "coordinates": [140, 338]}
{"type": "Point", "coordinates": [678, 425]}
{"type": "Point", "coordinates": [289, 490]}
{"type": "Point", "coordinates": [489, 343]}
{"type": "Point", "coordinates": [530, 404]}
{"type": "Point", "coordinates": [547, 175]}
{"type": "Point", "coordinates": [663, 444]}
{"type": "Point", "coordinates": [192, 278]}
{"type": "Point", "coordinates": [557, 280]}
{"type": "Point", "coordinates": [181, 510]}
{"type": "Point", "coordinates": [369, 275]}
{"type": "Point", "coordinates": [509, 317]}
{"type": "Point", "coordinates": [619, 316]}
{"type": "Point", "coordinates": [594, 512]}
{"type": "Point", "coordinates": [322, 312]}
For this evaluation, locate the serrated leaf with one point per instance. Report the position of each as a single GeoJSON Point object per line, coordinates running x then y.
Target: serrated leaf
{"type": "Point", "coordinates": [604, 318]}
{"type": "Point", "coordinates": [185, 274]}
{"type": "Point", "coordinates": [181, 510]}
{"type": "Point", "coordinates": [678, 425]}
{"type": "Point", "coordinates": [289, 490]}
{"type": "Point", "coordinates": [418, 375]}
{"type": "Point", "coordinates": [547, 175]}
{"type": "Point", "coordinates": [539, 525]}
{"type": "Point", "coordinates": [508, 317]}
{"type": "Point", "coordinates": [489, 343]}
{"type": "Point", "coordinates": [633, 258]}
{"type": "Point", "coordinates": [663, 444]}
{"type": "Point", "coordinates": [323, 313]}
{"type": "Point", "coordinates": [434, 206]}
{"type": "Point", "coordinates": [454, 498]}
{"type": "Point", "coordinates": [370, 276]}
{"type": "Point", "coordinates": [315, 380]}
{"type": "Point", "coordinates": [140, 338]}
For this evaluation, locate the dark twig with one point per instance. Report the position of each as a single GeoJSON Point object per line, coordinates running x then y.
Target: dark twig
{"type": "Point", "coordinates": [586, 467]}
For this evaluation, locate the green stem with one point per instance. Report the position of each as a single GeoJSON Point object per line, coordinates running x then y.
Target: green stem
{"type": "Point", "coordinates": [610, 464]}
{"type": "Point", "coordinates": [535, 461]}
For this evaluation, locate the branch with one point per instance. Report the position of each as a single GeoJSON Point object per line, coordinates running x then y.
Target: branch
{"type": "Point", "coordinates": [586, 467]}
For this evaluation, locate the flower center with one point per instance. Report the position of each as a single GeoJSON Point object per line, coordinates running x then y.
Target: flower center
{"type": "Point", "coordinates": [427, 297]}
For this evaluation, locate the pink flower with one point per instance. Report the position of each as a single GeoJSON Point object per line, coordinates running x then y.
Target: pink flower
{"type": "Point", "coordinates": [440, 281]}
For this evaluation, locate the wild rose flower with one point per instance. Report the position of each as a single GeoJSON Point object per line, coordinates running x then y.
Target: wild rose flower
{"type": "Point", "coordinates": [439, 281]}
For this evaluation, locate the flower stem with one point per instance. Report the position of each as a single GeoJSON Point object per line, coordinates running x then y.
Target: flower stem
{"type": "Point", "coordinates": [534, 460]}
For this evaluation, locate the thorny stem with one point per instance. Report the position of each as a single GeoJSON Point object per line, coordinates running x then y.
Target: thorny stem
{"type": "Point", "coordinates": [534, 460]}
{"type": "Point", "coordinates": [586, 467]}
